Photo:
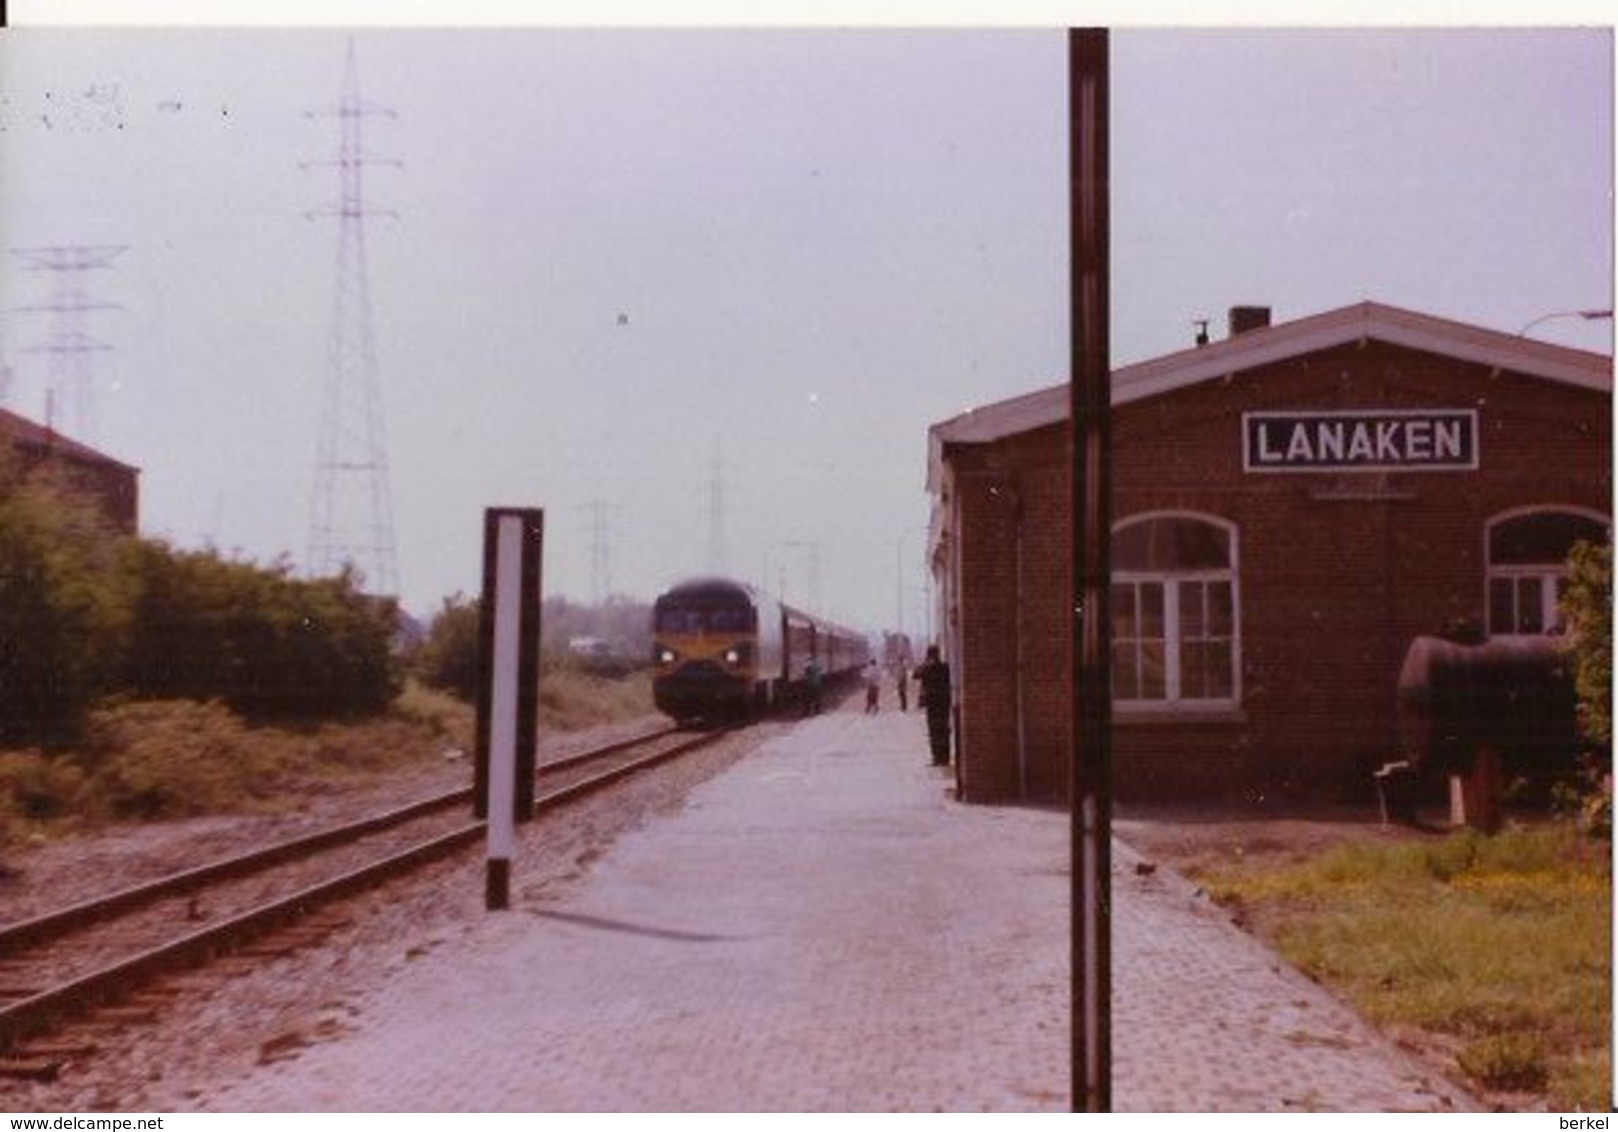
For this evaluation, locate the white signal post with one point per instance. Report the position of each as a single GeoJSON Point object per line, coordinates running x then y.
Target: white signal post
{"type": "Point", "coordinates": [508, 694]}
{"type": "Point", "coordinates": [503, 717]}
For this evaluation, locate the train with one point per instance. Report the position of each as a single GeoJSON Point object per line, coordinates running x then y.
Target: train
{"type": "Point", "coordinates": [723, 652]}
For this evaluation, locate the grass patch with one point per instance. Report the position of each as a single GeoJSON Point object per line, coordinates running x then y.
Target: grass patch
{"type": "Point", "coordinates": [1502, 943]}
{"type": "Point", "coordinates": [571, 699]}
{"type": "Point", "coordinates": [1511, 1062]}
{"type": "Point", "coordinates": [152, 760]}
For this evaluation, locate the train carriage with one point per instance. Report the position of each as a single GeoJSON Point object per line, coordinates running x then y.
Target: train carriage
{"type": "Point", "coordinates": [723, 651]}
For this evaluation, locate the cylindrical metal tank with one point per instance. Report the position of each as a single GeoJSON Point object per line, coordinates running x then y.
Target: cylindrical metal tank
{"type": "Point", "coordinates": [1512, 695]}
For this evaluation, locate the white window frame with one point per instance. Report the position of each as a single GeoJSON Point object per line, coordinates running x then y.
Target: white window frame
{"type": "Point", "coordinates": [1172, 702]}
{"type": "Point", "coordinates": [1546, 574]}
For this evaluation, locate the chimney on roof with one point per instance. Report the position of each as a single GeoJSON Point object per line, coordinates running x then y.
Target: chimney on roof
{"type": "Point", "coordinates": [1243, 319]}
{"type": "Point", "coordinates": [1202, 330]}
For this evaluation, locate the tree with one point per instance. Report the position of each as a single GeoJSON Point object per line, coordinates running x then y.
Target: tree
{"type": "Point", "coordinates": [64, 607]}
{"type": "Point", "coordinates": [1588, 605]}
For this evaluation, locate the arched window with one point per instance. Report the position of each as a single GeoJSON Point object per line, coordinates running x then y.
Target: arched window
{"type": "Point", "coordinates": [1528, 565]}
{"type": "Point", "coordinates": [1175, 637]}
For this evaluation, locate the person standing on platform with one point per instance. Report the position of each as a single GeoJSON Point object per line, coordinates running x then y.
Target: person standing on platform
{"type": "Point", "coordinates": [933, 675]}
{"type": "Point", "coordinates": [811, 688]}
{"type": "Point", "coordinates": [902, 671]}
{"type": "Point", "coordinates": [873, 686]}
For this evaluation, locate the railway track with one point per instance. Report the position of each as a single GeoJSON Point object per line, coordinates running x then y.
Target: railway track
{"type": "Point", "coordinates": [255, 905]}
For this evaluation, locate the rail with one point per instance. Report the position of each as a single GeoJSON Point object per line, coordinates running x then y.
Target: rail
{"type": "Point", "coordinates": [37, 1010]}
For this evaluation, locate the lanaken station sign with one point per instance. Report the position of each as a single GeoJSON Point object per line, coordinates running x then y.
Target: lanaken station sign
{"type": "Point", "coordinates": [1408, 440]}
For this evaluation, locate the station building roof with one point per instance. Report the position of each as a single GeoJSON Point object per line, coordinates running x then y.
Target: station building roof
{"type": "Point", "coordinates": [1365, 321]}
{"type": "Point", "coordinates": [37, 440]}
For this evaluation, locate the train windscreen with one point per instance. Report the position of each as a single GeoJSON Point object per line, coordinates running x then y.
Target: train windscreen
{"type": "Point", "coordinates": [706, 619]}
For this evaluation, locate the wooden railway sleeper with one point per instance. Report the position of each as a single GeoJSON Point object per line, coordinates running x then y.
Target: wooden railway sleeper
{"type": "Point", "coordinates": [31, 1068]}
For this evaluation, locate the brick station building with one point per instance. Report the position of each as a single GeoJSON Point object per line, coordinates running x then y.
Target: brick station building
{"type": "Point", "coordinates": [1292, 505]}
{"type": "Point", "coordinates": [41, 450]}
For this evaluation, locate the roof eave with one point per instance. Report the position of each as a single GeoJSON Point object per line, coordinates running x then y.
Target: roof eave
{"type": "Point", "coordinates": [1366, 321]}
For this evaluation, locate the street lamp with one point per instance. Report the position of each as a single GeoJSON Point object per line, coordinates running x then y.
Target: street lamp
{"type": "Point", "coordinates": [1587, 315]}
{"type": "Point", "coordinates": [780, 583]}
{"type": "Point", "coordinates": [811, 551]}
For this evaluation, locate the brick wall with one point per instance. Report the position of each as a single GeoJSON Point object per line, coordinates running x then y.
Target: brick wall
{"type": "Point", "coordinates": [1336, 573]}
{"type": "Point", "coordinates": [112, 487]}
{"type": "Point", "coordinates": [42, 454]}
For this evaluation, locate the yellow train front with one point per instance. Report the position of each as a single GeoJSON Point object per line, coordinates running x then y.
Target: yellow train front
{"type": "Point", "coordinates": [725, 652]}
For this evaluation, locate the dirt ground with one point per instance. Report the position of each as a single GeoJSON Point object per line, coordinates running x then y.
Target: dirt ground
{"type": "Point", "coordinates": [1195, 838]}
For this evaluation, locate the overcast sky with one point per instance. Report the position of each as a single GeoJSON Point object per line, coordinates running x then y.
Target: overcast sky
{"type": "Point", "coordinates": [618, 254]}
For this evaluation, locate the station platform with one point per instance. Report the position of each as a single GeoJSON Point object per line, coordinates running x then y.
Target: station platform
{"type": "Point", "coordinates": [823, 928]}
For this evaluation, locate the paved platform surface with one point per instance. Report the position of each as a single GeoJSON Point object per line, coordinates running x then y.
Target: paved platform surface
{"type": "Point", "coordinates": [822, 928]}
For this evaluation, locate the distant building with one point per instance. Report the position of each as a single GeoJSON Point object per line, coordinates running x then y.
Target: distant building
{"type": "Point", "coordinates": [113, 484]}
{"type": "Point", "coordinates": [589, 648]}
{"type": "Point", "coordinates": [1292, 505]}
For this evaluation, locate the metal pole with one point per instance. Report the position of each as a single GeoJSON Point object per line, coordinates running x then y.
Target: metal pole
{"type": "Point", "coordinates": [899, 585]}
{"type": "Point", "coordinates": [1090, 732]}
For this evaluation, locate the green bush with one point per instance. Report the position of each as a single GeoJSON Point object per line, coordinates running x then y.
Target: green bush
{"type": "Point", "coordinates": [448, 659]}
{"type": "Point", "coordinates": [86, 613]}
{"type": "Point", "coordinates": [1588, 605]}
{"type": "Point", "coordinates": [63, 609]}
{"type": "Point", "coordinates": [265, 643]}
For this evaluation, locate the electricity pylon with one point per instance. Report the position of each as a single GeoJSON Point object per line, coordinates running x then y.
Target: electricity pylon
{"type": "Point", "coordinates": [351, 520]}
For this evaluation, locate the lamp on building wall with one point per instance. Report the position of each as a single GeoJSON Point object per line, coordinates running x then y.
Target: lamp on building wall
{"type": "Point", "coordinates": [1587, 316]}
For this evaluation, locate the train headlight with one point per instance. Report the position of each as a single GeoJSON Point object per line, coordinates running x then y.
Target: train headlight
{"type": "Point", "coordinates": [733, 657]}
{"type": "Point", "coordinates": [665, 656]}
